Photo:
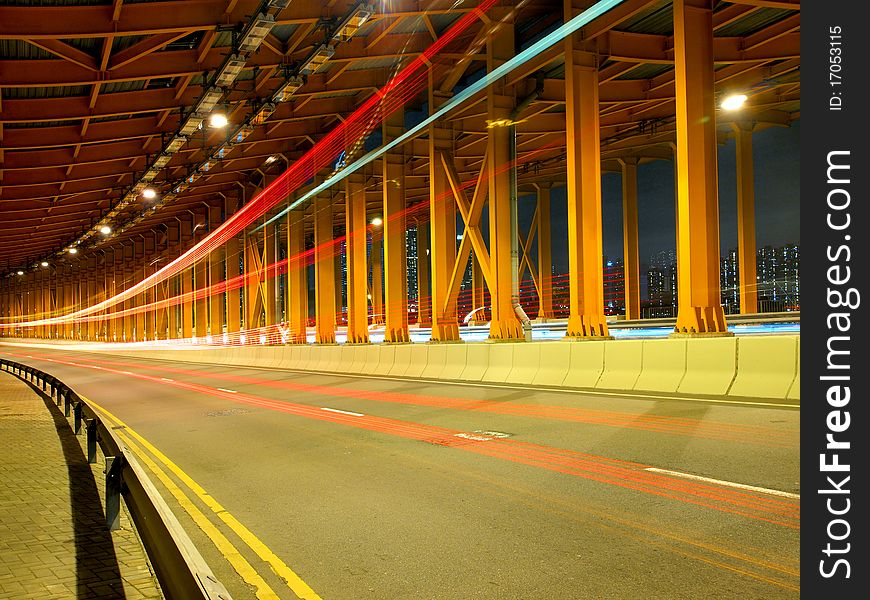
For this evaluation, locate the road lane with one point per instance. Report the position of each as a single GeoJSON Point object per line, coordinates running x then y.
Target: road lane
{"type": "Point", "coordinates": [362, 513]}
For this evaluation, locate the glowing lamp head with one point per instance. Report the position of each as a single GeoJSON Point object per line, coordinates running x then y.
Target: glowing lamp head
{"type": "Point", "coordinates": [217, 120]}
{"type": "Point", "coordinates": [733, 102]}
{"type": "Point", "coordinates": [377, 221]}
{"type": "Point", "coordinates": [73, 251]}
{"type": "Point", "coordinates": [149, 193]}
{"type": "Point", "coordinates": [105, 230]}
{"type": "Point", "coordinates": [270, 160]}
{"type": "Point", "coordinates": [20, 272]}
{"type": "Point", "coordinates": [43, 264]}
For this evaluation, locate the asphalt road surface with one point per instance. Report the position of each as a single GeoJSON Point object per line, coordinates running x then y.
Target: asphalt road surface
{"type": "Point", "coordinates": [345, 487]}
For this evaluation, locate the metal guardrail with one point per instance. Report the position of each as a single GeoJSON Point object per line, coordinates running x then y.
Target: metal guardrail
{"type": "Point", "coordinates": [180, 568]}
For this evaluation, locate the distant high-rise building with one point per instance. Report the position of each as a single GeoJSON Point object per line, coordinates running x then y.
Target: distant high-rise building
{"type": "Point", "coordinates": [411, 245]}
{"type": "Point", "coordinates": [614, 287]}
{"type": "Point", "coordinates": [729, 281]}
{"type": "Point", "coordinates": [777, 273]}
{"type": "Point", "coordinates": [662, 284]}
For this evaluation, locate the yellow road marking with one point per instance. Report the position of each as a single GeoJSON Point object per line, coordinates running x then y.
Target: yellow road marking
{"type": "Point", "coordinates": [299, 587]}
{"type": "Point", "coordinates": [233, 556]}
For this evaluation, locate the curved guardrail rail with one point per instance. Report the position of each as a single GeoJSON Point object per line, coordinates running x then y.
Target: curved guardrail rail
{"type": "Point", "coordinates": [180, 568]}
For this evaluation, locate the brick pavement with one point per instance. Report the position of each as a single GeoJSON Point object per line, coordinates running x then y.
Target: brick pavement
{"type": "Point", "coordinates": [54, 542]}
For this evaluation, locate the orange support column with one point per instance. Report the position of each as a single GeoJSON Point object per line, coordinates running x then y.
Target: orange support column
{"type": "Point", "coordinates": [324, 276]}
{"type": "Point", "coordinates": [442, 226]}
{"type": "Point", "coordinates": [630, 257]}
{"type": "Point", "coordinates": [200, 307]}
{"type": "Point", "coordinates": [297, 279]}
{"type": "Point", "coordinates": [187, 304]}
{"type": "Point", "coordinates": [147, 300]}
{"type": "Point", "coordinates": [395, 227]}
{"type": "Point", "coordinates": [270, 275]}
{"type": "Point", "coordinates": [253, 274]}
{"type": "Point", "coordinates": [92, 299]}
{"type": "Point", "coordinates": [545, 255]}
{"type": "Point", "coordinates": [700, 308]}
{"type": "Point", "coordinates": [117, 288]}
{"type": "Point", "coordinates": [585, 252]}
{"type": "Point", "coordinates": [502, 230]}
{"type": "Point", "coordinates": [129, 305]}
{"type": "Point", "coordinates": [357, 290]}
{"type": "Point", "coordinates": [746, 248]}
{"type": "Point", "coordinates": [216, 310]}
{"type": "Point", "coordinates": [234, 300]}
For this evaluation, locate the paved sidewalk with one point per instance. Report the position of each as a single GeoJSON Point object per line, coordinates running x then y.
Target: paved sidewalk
{"type": "Point", "coordinates": [53, 537]}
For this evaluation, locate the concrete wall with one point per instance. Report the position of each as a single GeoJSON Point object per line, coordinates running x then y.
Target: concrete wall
{"type": "Point", "coordinates": [746, 367]}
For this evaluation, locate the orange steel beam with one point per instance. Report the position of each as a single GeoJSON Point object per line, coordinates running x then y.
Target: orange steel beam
{"type": "Point", "coordinates": [357, 290]}
{"type": "Point", "coordinates": [395, 228]}
{"type": "Point", "coordinates": [631, 260]}
{"type": "Point", "coordinates": [70, 22]}
{"type": "Point", "coordinates": [234, 300]}
{"type": "Point", "coordinates": [525, 261]}
{"type": "Point", "coordinates": [297, 279]}
{"type": "Point", "coordinates": [65, 51]}
{"type": "Point", "coordinates": [585, 262]}
{"type": "Point", "coordinates": [142, 49]}
{"type": "Point", "coordinates": [216, 301]}
{"type": "Point", "coordinates": [442, 223]}
{"type": "Point", "coordinates": [269, 283]}
{"type": "Point", "coordinates": [504, 290]}
{"type": "Point", "coordinates": [545, 260]}
{"type": "Point", "coordinates": [746, 247]}
{"type": "Point", "coordinates": [253, 267]}
{"type": "Point", "coordinates": [471, 215]}
{"type": "Point", "coordinates": [699, 301]}
{"type": "Point", "coordinates": [324, 267]}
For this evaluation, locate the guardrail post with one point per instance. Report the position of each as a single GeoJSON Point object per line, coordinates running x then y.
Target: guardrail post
{"type": "Point", "coordinates": [60, 393]}
{"type": "Point", "coordinates": [114, 465]}
{"type": "Point", "coordinates": [66, 402]}
{"type": "Point", "coordinates": [77, 418]}
{"type": "Point", "coordinates": [92, 441]}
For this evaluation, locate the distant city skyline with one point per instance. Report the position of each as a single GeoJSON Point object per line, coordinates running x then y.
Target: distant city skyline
{"type": "Point", "coordinates": [776, 155]}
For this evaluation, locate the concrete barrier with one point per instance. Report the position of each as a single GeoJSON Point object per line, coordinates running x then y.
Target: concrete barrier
{"type": "Point", "coordinates": [372, 356]}
{"type": "Point", "coordinates": [623, 360]}
{"type": "Point", "coordinates": [324, 358]}
{"type": "Point", "coordinates": [794, 392]}
{"type": "Point", "coordinates": [586, 364]}
{"type": "Point", "coordinates": [454, 363]}
{"type": "Point", "coordinates": [476, 361]}
{"type": "Point", "coordinates": [386, 358]}
{"type": "Point", "coordinates": [525, 363]}
{"type": "Point", "coordinates": [292, 356]}
{"type": "Point", "coordinates": [436, 358]}
{"type": "Point", "coordinates": [354, 358]}
{"type": "Point", "coordinates": [315, 355]}
{"type": "Point", "coordinates": [332, 357]}
{"type": "Point", "coordinates": [766, 366]}
{"type": "Point", "coordinates": [306, 357]}
{"type": "Point", "coordinates": [554, 361]}
{"type": "Point", "coordinates": [664, 365]}
{"type": "Point", "coordinates": [417, 362]}
{"type": "Point", "coordinates": [501, 356]}
{"type": "Point", "coordinates": [401, 360]}
{"type": "Point", "coordinates": [711, 364]}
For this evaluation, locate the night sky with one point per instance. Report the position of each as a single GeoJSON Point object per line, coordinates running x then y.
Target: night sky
{"type": "Point", "coordinates": [777, 200]}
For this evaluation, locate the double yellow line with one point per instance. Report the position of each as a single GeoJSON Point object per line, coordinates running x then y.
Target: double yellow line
{"type": "Point", "coordinates": [225, 546]}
